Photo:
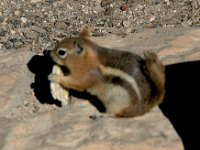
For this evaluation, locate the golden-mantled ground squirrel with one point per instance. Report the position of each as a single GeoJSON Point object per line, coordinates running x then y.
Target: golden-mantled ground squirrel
{"type": "Point", "coordinates": [127, 84]}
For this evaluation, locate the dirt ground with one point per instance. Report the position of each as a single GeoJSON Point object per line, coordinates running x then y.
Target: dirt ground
{"type": "Point", "coordinates": [41, 23]}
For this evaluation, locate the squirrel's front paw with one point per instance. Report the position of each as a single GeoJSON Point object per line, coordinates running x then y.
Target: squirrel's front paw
{"type": "Point", "coordinates": [53, 77]}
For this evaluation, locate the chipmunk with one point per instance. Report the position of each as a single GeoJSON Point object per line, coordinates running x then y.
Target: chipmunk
{"type": "Point", "coordinates": [127, 84]}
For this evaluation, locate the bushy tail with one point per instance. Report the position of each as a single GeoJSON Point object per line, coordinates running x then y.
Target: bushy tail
{"type": "Point", "coordinates": [155, 72]}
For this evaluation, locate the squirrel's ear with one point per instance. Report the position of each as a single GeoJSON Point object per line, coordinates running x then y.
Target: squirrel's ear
{"type": "Point", "coordinates": [79, 47]}
{"type": "Point", "coordinates": [86, 31]}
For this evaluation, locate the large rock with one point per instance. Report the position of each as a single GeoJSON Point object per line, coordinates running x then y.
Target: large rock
{"type": "Point", "coordinates": [26, 123]}
{"type": "Point", "coordinates": [173, 45]}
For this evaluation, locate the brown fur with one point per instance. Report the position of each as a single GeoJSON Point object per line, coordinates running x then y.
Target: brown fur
{"type": "Point", "coordinates": [125, 83]}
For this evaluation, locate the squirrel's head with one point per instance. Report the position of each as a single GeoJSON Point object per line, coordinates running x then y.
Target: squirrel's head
{"type": "Point", "coordinates": [71, 48]}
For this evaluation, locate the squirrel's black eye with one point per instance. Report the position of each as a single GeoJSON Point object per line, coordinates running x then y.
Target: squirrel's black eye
{"type": "Point", "coordinates": [62, 52]}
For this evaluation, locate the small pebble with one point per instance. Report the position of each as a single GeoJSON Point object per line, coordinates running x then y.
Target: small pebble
{"type": "Point", "coordinates": [12, 32]}
{"type": "Point", "coordinates": [126, 23]}
{"type": "Point", "coordinates": [36, 1]}
{"type": "Point", "coordinates": [152, 19]}
{"type": "Point", "coordinates": [24, 20]}
{"type": "Point", "coordinates": [17, 13]}
{"type": "Point", "coordinates": [1, 46]}
{"type": "Point", "coordinates": [60, 25]}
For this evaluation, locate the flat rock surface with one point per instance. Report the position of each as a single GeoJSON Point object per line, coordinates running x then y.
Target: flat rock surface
{"type": "Point", "coordinates": [26, 123]}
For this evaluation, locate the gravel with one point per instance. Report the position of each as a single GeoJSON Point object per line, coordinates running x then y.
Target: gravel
{"type": "Point", "coordinates": [39, 24]}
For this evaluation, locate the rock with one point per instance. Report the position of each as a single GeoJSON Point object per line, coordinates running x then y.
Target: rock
{"type": "Point", "coordinates": [27, 123]}
{"type": "Point", "coordinates": [153, 18]}
{"type": "Point", "coordinates": [12, 32]}
{"type": "Point", "coordinates": [175, 44]}
{"type": "Point", "coordinates": [106, 2]}
{"type": "Point", "coordinates": [24, 20]}
{"type": "Point", "coordinates": [126, 24]}
{"type": "Point", "coordinates": [14, 84]}
{"type": "Point", "coordinates": [38, 29]}
{"type": "Point", "coordinates": [60, 25]}
{"type": "Point", "coordinates": [36, 1]}
{"type": "Point", "coordinates": [17, 12]}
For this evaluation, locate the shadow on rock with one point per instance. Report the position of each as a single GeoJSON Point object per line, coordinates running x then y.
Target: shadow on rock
{"type": "Point", "coordinates": [41, 66]}
{"type": "Point", "coordinates": [181, 101]}
{"type": "Point", "coordinates": [91, 98]}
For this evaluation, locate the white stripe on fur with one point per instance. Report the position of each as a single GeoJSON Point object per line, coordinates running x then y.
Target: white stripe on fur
{"type": "Point", "coordinates": [123, 75]}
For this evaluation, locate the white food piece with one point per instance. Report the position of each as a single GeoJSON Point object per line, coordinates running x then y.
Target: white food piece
{"type": "Point", "coordinates": [57, 91]}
